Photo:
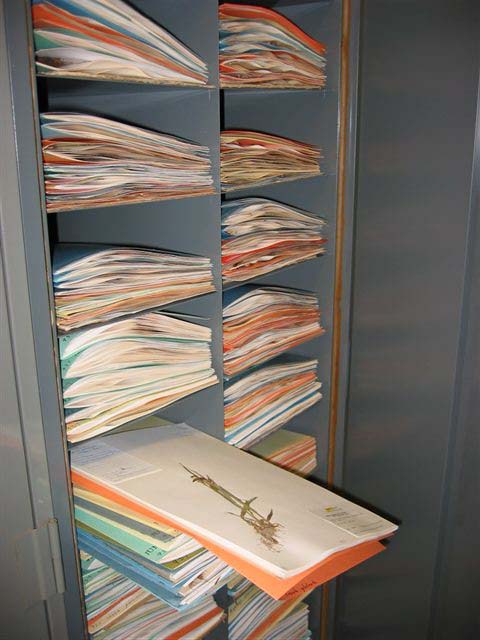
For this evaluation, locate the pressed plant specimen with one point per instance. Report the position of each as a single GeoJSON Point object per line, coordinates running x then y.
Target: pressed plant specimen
{"type": "Point", "coordinates": [266, 528]}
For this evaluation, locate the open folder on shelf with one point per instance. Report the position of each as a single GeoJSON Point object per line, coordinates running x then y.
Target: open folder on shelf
{"type": "Point", "coordinates": [252, 158]}
{"type": "Point", "coordinates": [126, 369]}
{"type": "Point", "coordinates": [260, 235]}
{"type": "Point", "coordinates": [95, 283]}
{"type": "Point", "coordinates": [119, 609]}
{"type": "Point", "coordinates": [109, 40]}
{"type": "Point", "coordinates": [260, 47]}
{"type": "Point", "coordinates": [259, 323]}
{"type": "Point", "coordinates": [90, 161]}
{"type": "Point", "coordinates": [261, 401]}
{"type": "Point", "coordinates": [283, 533]}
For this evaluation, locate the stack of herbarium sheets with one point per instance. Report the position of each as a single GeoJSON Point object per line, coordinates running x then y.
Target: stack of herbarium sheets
{"type": "Point", "coordinates": [261, 48]}
{"type": "Point", "coordinates": [109, 40]}
{"type": "Point", "coordinates": [119, 609]}
{"type": "Point", "coordinates": [253, 158]}
{"type": "Point", "coordinates": [253, 615]}
{"type": "Point", "coordinates": [259, 402]}
{"type": "Point", "coordinates": [259, 323]}
{"type": "Point", "coordinates": [260, 236]}
{"type": "Point", "coordinates": [90, 161]}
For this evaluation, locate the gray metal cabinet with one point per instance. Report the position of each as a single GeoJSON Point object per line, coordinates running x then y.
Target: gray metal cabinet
{"type": "Point", "coordinates": [398, 289]}
{"type": "Point", "coordinates": [190, 225]}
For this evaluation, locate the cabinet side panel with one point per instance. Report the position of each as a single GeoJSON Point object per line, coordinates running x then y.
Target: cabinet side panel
{"type": "Point", "coordinates": [416, 132]}
{"type": "Point", "coordinates": [455, 612]}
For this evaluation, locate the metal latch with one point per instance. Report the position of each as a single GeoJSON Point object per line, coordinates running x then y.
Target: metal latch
{"type": "Point", "coordinates": [38, 556]}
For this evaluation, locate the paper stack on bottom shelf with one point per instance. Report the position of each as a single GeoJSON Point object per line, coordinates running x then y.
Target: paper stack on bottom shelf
{"type": "Point", "coordinates": [119, 609]}
{"type": "Point", "coordinates": [254, 615]}
{"type": "Point", "coordinates": [294, 626]}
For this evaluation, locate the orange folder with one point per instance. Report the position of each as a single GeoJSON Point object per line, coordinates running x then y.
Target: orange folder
{"type": "Point", "coordinates": [278, 588]}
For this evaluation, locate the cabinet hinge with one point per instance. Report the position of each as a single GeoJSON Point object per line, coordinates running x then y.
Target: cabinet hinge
{"type": "Point", "coordinates": [39, 558]}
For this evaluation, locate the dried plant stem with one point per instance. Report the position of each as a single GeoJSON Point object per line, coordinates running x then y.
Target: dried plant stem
{"type": "Point", "coordinates": [263, 525]}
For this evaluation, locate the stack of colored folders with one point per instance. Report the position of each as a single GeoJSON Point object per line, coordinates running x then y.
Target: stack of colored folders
{"type": "Point", "coordinates": [119, 609]}
{"type": "Point", "coordinates": [281, 532]}
{"type": "Point", "coordinates": [129, 368]}
{"type": "Point", "coordinates": [96, 283]}
{"type": "Point", "coordinates": [158, 558]}
{"type": "Point", "coordinates": [254, 615]}
{"type": "Point", "coordinates": [261, 48]}
{"type": "Point", "coordinates": [262, 322]}
{"type": "Point", "coordinates": [295, 452]}
{"type": "Point", "coordinates": [93, 162]}
{"type": "Point", "coordinates": [292, 626]}
{"type": "Point", "coordinates": [109, 40]}
{"type": "Point", "coordinates": [260, 235]}
{"type": "Point", "coordinates": [251, 158]}
{"type": "Point", "coordinates": [261, 401]}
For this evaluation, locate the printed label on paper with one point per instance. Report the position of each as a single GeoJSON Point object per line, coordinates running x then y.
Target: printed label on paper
{"type": "Point", "coordinates": [109, 463]}
{"type": "Point", "coordinates": [357, 524]}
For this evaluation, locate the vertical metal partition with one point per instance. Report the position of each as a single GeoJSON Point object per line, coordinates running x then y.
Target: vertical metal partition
{"type": "Point", "coordinates": [26, 266]}
{"type": "Point", "coordinates": [457, 575]}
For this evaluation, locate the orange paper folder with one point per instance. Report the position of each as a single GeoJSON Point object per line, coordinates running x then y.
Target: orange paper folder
{"type": "Point", "coordinates": [278, 588]}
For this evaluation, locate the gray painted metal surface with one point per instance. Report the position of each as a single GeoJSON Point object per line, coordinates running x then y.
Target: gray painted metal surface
{"type": "Point", "coordinates": [27, 504]}
{"type": "Point", "coordinates": [26, 269]}
{"type": "Point", "coordinates": [20, 610]}
{"type": "Point", "coordinates": [418, 79]}
{"type": "Point", "coordinates": [346, 266]}
{"type": "Point", "coordinates": [348, 234]}
{"type": "Point", "coordinates": [455, 612]}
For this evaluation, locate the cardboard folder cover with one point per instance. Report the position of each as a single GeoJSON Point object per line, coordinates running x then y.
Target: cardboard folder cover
{"type": "Point", "coordinates": [283, 533]}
